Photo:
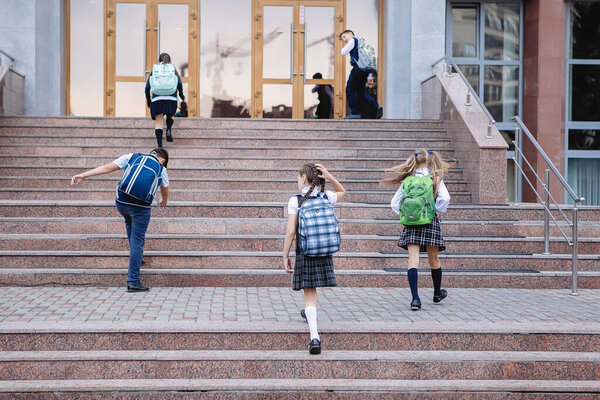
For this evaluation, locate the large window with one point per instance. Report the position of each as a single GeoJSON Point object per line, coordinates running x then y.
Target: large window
{"type": "Point", "coordinates": [583, 105]}
{"type": "Point", "coordinates": [484, 37]}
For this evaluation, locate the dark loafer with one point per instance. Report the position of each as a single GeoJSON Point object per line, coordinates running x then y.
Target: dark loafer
{"type": "Point", "coordinates": [169, 136]}
{"type": "Point", "coordinates": [415, 305]}
{"type": "Point", "coordinates": [315, 346]}
{"type": "Point", "coordinates": [303, 315]}
{"type": "Point", "coordinates": [440, 296]}
{"type": "Point", "coordinates": [137, 287]}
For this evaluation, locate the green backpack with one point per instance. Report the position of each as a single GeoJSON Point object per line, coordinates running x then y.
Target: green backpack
{"type": "Point", "coordinates": [163, 80]}
{"type": "Point", "coordinates": [417, 205]}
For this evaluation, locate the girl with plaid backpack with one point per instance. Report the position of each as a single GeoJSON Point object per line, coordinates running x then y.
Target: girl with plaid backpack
{"type": "Point", "coordinates": [422, 194]}
{"type": "Point", "coordinates": [314, 270]}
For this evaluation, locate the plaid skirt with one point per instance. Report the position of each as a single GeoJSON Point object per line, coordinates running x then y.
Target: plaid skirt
{"type": "Point", "coordinates": [423, 235]}
{"type": "Point", "coordinates": [312, 272]}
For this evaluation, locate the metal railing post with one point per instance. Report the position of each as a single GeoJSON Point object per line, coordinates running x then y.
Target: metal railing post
{"type": "Point", "coordinates": [517, 163]}
{"type": "Point", "coordinates": [575, 250]}
{"type": "Point", "coordinates": [547, 215]}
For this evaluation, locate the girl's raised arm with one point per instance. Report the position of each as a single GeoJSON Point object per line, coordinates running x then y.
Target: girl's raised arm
{"type": "Point", "coordinates": [337, 187]}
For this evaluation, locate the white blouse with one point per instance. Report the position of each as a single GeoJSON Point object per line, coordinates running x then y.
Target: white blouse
{"type": "Point", "coordinates": [441, 201]}
{"type": "Point", "coordinates": [293, 203]}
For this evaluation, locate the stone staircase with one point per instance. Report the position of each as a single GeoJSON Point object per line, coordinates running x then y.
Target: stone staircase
{"type": "Point", "coordinates": [230, 182]}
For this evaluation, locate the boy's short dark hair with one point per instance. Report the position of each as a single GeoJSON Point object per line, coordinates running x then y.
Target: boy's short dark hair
{"type": "Point", "coordinates": [317, 75]}
{"type": "Point", "coordinates": [162, 153]}
{"type": "Point", "coordinates": [347, 31]}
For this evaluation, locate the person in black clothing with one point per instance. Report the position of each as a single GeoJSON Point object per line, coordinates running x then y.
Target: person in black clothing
{"type": "Point", "coordinates": [356, 92]}
{"type": "Point", "coordinates": [183, 110]}
{"type": "Point", "coordinates": [163, 105]}
{"type": "Point", "coordinates": [325, 92]}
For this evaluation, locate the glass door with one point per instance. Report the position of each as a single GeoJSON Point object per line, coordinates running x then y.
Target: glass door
{"type": "Point", "coordinates": [137, 32]}
{"type": "Point", "coordinates": [293, 41]}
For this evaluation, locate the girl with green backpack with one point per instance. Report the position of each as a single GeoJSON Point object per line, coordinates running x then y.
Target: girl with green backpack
{"type": "Point", "coordinates": [422, 194]}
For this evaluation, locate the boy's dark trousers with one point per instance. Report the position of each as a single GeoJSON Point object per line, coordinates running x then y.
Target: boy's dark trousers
{"type": "Point", "coordinates": [356, 91]}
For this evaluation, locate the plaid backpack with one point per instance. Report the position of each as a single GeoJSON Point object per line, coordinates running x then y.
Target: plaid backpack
{"type": "Point", "coordinates": [318, 227]}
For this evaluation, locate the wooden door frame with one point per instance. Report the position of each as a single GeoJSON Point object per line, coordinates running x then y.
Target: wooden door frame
{"type": "Point", "coordinates": [110, 77]}
{"type": "Point", "coordinates": [298, 63]}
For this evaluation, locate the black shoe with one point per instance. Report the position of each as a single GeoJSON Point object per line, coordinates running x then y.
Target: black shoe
{"type": "Point", "coordinates": [315, 346]}
{"type": "Point", "coordinates": [169, 136]}
{"type": "Point", "coordinates": [143, 262]}
{"type": "Point", "coordinates": [415, 305]}
{"type": "Point", "coordinates": [137, 287]}
{"type": "Point", "coordinates": [379, 112]}
{"type": "Point", "coordinates": [352, 116]}
{"type": "Point", "coordinates": [303, 314]}
{"type": "Point", "coordinates": [440, 296]}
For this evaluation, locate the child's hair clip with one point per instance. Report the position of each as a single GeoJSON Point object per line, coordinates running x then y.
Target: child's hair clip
{"type": "Point", "coordinates": [416, 154]}
{"type": "Point", "coordinates": [430, 152]}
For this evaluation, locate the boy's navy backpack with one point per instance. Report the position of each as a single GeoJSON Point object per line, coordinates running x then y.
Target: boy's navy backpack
{"type": "Point", "coordinates": [163, 80]}
{"type": "Point", "coordinates": [367, 61]}
{"type": "Point", "coordinates": [140, 179]}
{"type": "Point", "coordinates": [318, 227]}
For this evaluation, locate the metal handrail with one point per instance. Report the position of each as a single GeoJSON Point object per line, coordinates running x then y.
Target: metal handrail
{"type": "Point", "coordinates": [470, 92]}
{"type": "Point", "coordinates": [517, 159]}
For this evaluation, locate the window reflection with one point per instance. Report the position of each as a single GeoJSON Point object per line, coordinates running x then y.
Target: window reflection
{"type": "Point", "coordinates": [225, 63]}
{"type": "Point", "coordinates": [363, 19]}
{"type": "Point", "coordinates": [502, 31]}
{"type": "Point", "coordinates": [584, 178]}
{"type": "Point", "coordinates": [277, 101]}
{"type": "Point", "coordinates": [584, 139]}
{"type": "Point", "coordinates": [174, 34]}
{"type": "Point", "coordinates": [86, 81]}
{"type": "Point", "coordinates": [277, 48]}
{"type": "Point", "coordinates": [585, 93]}
{"type": "Point", "coordinates": [585, 35]}
{"type": "Point", "coordinates": [471, 72]}
{"type": "Point", "coordinates": [129, 39]}
{"type": "Point", "coordinates": [501, 91]}
{"type": "Point", "coordinates": [464, 32]}
{"type": "Point", "coordinates": [319, 41]}
{"type": "Point", "coordinates": [129, 100]}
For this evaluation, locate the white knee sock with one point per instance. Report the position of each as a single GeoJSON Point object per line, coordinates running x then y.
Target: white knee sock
{"type": "Point", "coordinates": [311, 317]}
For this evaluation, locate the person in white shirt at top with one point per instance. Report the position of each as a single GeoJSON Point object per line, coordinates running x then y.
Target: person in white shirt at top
{"type": "Point", "coordinates": [423, 238]}
{"type": "Point", "coordinates": [135, 211]}
{"type": "Point", "coordinates": [356, 91]}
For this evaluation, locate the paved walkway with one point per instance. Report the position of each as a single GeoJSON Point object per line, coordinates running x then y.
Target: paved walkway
{"type": "Point", "coordinates": [278, 307]}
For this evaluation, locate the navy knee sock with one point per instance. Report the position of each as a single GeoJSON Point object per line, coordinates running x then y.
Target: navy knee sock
{"type": "Point", "coordinates": [436, 275]}
{"type": "Point", "coordinates": [413, 281]}
{"type": "Point", "coordinates": [158, 133]}
{"type": "Point", "coordinates": [169, 122]}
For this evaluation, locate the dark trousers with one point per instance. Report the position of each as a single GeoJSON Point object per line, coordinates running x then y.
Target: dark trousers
{"type": "Point", "coordinates": [136, 224]}
{"type": "Point", "coordinates": [356, 93]}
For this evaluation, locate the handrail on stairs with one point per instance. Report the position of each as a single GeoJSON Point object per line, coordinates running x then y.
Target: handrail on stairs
{"type": "Point", "coordinates": [450, 64]}
{"type": "Point", "coordinates": [519, 156]}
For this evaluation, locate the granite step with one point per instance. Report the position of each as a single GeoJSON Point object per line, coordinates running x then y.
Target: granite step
{"type": "Point", "coordinates": [247, 278]}
{"type": "Point", "coordinates": [240, 183]}
{"type": "Point", "coordinates": [286, 389]}
{"type": "Point", "coordinates": [149, 141]}
{"type": "Point", "coordinates": [176, 150]}
{"type": "Point", "coordinates": [195, 195]}
{"type": "Point", "coordinates": [299, 132]}
{"type": "Point", "coordinates": [252, 242]}
{"type": "Point", "coordinates": [292, 162]}
{"type": "Point", "coordinates": [286, 364]}
{"type": "Point", "coordinates": [230, 123]}
{"type": "Point", "coordinates": [243, 260]}
{"type": "Point", "coordinates": [212, 173]}
{"type": "Point", "coordinates": [221, 209]}
{"type": "Point", "coordinates": [276, 226]}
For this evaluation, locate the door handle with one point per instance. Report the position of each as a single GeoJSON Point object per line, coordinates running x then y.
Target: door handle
{"type": "Point", "coordinates": [144, 61]}
{"type": "Point", "coordinates": [292, 74]}
{"type": "Point", "coordinates": [304, 57]}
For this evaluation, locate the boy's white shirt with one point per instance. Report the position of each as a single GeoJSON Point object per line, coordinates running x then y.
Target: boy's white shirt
{"type": "Point", "coordinates": [441, 201]}
{"type": "Point", "coordinates": [348, 47]}
{"type": "Point", "coordinates": [293, 202]}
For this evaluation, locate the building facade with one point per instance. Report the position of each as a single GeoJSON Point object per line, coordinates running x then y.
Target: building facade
{"type": "Point", "coordinates": [538, 59]}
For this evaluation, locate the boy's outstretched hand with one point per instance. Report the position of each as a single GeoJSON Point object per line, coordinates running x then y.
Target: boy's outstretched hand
{"type": "Point", "coordinates": [77, 179]}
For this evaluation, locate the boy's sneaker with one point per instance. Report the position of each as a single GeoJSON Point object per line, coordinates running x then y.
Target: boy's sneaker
{"type": "Point", "coordinates": [353, 116]}
{"type": "Point", "coordinates": [315, 347]}
{"type": "Point", "coordinates": [379, 112]}
{"type": "Point", "coordinates": [137, 287]}
{"type": "Point", "coordinates": [415, 305]}
{"type": "Point", "coordinates": [440, 296]}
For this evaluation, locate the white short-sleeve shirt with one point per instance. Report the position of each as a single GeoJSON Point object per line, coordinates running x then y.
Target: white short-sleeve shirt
{"type": "Point", "coordinates": [293, 203]}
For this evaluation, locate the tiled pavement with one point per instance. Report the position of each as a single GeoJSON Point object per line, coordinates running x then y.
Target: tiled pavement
{"type": "Point", "coordinates": [278, 307]}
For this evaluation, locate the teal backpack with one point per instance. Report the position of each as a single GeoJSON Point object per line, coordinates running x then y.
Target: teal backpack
{"type": "Point", "coordinates": [417, 205]}
{"type": "Point", "coordinates": [163, 80]}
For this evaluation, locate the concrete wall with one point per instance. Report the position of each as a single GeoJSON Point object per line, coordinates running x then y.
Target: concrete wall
{"type": "Point", "coordinates": [414, 37]}
{"type": "Point", "coordinates": [32, 31]}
